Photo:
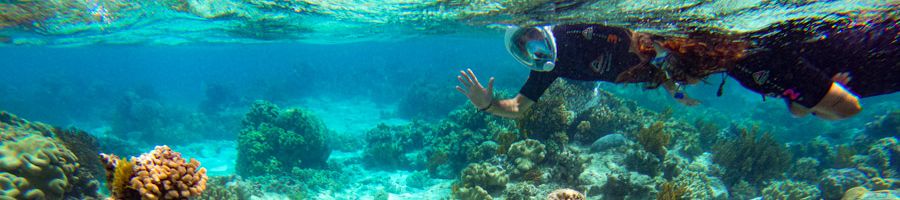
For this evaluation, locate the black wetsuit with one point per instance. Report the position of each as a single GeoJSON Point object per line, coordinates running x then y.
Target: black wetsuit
{"type": "Point", "coordinates": [584, 52]}
{"type": "Point", "coordinates": [794, 60]}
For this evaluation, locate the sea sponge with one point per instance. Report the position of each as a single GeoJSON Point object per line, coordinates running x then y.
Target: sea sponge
{"type": "Point", "coordinates": [33, 166]}
{"type": "Point", "coordinates": [526, 154]}
{"type": "Point", "coordinates": [159, 174]}
{"type": "Point", "coordinates": [790, 190]}
{"type": "Point", "coordinates": [565, 194]}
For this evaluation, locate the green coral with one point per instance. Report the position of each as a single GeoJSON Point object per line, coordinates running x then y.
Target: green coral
{"type": "Point", "coordinates": [751, 158]}
{"type": "Point", "coordinates": [395, 147]}
{"type": "Point", "coordinates": [790, 190]}
{"type": "Point", "coordinates": [274, 142]}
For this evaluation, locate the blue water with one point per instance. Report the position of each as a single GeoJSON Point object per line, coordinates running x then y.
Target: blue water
{"type": "Point", "coordinates": [379, 77]}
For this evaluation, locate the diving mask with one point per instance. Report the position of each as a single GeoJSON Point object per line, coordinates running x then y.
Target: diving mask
{"type": "Point", "coordinates": [535, 47]}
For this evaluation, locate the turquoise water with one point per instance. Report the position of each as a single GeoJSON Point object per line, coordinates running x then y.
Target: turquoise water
{"type": "Point", "coordinates": [355, 100]}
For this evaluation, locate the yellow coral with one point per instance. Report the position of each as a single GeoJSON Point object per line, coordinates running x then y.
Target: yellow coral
{"type": "Point", "coordinates": [160, 174]}
{"type": "Point", "coordinates": [671, 191]}
{"type": "Point", "coordinates": [121, 176]}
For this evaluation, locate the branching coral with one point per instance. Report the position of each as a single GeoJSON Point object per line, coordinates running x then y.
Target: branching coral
{"type": "Point", "coordinates": [159, 174]}
{"type": "Point", "coordinates": [527, 154]}
{"type": "Point", "coordinates": [569, 165]}
{"type": "Point", "coordinates": [227, 188]}
{"type": "Point", "coordinates": [752, 158]}
{"type": "Point", "coordinates": [521, 191]}
{"type": "Point", "coordinates": [626, 186]}
{"type": "Point", "coordinates": [654, 139]}
{"type": "Point", "coordinates": [274, 142]}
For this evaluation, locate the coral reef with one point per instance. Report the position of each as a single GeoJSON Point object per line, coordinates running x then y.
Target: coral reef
{"type": "Point", "coordinates": [643, 162]}
{"type": "Point", "coordinates": [457, 139]}
{"type": "Point", "coordinates": [159, 174]}
{"type": "Point", "coordinates": [470, 193]}
{"type": "Point", "coordinates": [521, 191]}
{"type": "Point", "coordinates": [698, 178]}
{"type": "Point", "coordinates": [547, 116]}
{"type": "Point", "coordinates": [654, 139]}
{"type": "Point", "coordinates": [228, 188]}
{"type": "Point", "coordinates": [835, 181]}
{"type": "Point", "coordinates": [394, 147]}
{"type": "Point", "coordinates": [489, 177]}
{"type": "Point", "coordinates": [790, 190]}
{"type": "Point", "coordinates": [526, 154]}
{"type": "Point", "coordinates": [672, 191]}
{"type": "Point", "coordinates": [805, 169]}
{"type": "Point", "coordinates": [627, 186]}
{"type": "Point", "coordinates": [884, 157]}
{"type": "Point", "coordinates": [35, 165]}
{"type": "Point", "coordinates": [568, 166]}
{"type": "Point", "coordinates": [565, 194]}
{"type": "Point", "coordinates": [601, 120]}
{"type": "Point", "coordinates": [886, 125]}
{"type": "Point", "coordinates": [274, 142]}
{"type": "Point", "coordinates": [609, 142]}
{"type": "Point", "coordinates": [861, 193]}
{"type": "Point", "coordinates": [418, 179]}
{"type": "Point", "coordinates": [751, 158]}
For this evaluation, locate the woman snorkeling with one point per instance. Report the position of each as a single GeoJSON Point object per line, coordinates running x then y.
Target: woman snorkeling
{"type": "Point", "coordinates": [817, 66]}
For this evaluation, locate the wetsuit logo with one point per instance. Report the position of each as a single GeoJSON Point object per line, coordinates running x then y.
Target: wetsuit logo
{"type": "Point", "coordinates": [760, 77]}
{"type": "Point", "coordinates": [588, 33]}
{"type": "Point", "coordinates": [602, 64]}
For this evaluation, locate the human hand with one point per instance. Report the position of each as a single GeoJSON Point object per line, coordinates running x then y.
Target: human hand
{"type": "Point", "coordinates": [479, 96]}
{"type": "Point", "coordinates": [843, 78]}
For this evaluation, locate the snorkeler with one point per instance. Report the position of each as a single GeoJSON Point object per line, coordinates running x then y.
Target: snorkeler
{"type": "Point", "coordinates": [816, 66]}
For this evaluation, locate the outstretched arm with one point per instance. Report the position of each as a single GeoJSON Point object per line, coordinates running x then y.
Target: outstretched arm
{"type": "Point", "coordinates": [483, 98]}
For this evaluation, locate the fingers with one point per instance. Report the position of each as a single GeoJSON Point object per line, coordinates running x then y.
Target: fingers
{"type": "Point", "coordinates": [464, 83]}
{"type": "Point", "coordinates": [469, 79]}
{"type": "Point", "coordinates": [461, 90]}
{"type": "Point", "coordinates": [491, 85]}
{"type": "Point", "coordinates": [475, 78]}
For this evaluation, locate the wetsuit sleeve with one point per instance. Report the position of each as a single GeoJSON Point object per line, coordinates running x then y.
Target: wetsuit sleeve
{"type": "Point", "coordinates": [537, 83]}
{"type": "Point", "coordinates": [783, 75]}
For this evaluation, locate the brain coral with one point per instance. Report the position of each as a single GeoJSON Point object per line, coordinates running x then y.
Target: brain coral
{"type": "Point", "coordinates": [32, 164]}
{"type": "Point", "coordinates": [160, 174]}
{"type": "Point", "coordinates": [35, 167]}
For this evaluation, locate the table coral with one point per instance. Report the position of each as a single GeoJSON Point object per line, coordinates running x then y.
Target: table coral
{"type": "Point", "coordinates": [159, 174]}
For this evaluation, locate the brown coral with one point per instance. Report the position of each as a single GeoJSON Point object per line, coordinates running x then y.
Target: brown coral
{"type": "Point", "coordinates": [33, 166]}
{"type": "Point", "coordinates": [565, 194]}
{"type": "Point", "coordinates": [654, 139]}
{"type": "Point", "coordinates": [160, 174]}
